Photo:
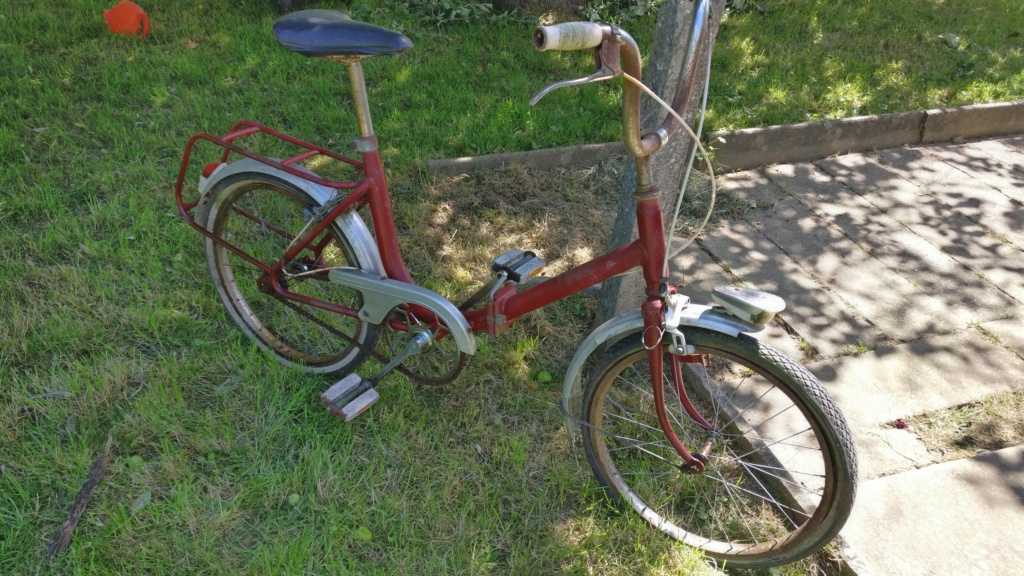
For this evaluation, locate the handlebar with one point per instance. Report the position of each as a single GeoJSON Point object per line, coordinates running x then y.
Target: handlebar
{"type": "Point", "coordinates": [570, 36]}
{"type": "Point", "coordinates": [618, 54]}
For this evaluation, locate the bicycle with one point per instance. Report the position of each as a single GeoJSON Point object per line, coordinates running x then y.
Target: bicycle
{"type": "Point", "coordinates": [714, 438]}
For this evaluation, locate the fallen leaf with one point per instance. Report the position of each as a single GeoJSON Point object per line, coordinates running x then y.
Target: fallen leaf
{"type": "Point", "coordinates": [951, 40]}
{"type": "Point", "coordinates": [362, 534]}
{"type": "Point", "coordinates": [142, 501]}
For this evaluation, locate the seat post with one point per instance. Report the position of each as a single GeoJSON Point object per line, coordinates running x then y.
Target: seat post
{"type": "Point", "coordinates": [360, 98]}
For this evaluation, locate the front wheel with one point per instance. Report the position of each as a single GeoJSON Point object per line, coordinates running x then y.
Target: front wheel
{"type": "Point", "coordinates": [781, 468]}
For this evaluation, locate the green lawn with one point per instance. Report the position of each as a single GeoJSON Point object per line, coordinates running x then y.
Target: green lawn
{"type": "Point", "coordinates": [816, 59]}
{"type": "Point", "coordinates": [224, 461]}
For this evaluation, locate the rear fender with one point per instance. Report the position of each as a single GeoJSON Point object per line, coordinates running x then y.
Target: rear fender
{"type": "Point", "coordinates": [350, 224]}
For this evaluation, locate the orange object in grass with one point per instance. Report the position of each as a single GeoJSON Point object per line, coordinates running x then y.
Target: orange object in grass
{"type": "Point", "coordinates": [126, 18]}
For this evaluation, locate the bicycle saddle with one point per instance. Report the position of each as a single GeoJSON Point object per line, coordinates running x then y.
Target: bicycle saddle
{"type": "Point", "coordinates": [333, 33]}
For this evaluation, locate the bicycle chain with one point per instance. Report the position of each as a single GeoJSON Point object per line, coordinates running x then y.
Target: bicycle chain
{"type": "Point", "coordinates": [376, 355]}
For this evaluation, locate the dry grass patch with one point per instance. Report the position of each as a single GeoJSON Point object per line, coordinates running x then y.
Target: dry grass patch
{"type": "Point", "coordinates": [992, 424]}
{"type": "Point", "coordinates": [464, 222]}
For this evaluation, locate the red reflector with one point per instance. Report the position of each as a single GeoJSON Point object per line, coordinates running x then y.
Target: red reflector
{"type": "Point", "coordinates": [210, 168]}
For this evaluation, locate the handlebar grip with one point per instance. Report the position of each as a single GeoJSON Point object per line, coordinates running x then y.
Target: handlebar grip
{"type": "Point", "coordinates": [569, 36]}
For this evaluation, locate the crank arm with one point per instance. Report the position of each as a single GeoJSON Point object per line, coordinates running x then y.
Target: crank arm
{"type": "Point", "coordinates": [418, 342]}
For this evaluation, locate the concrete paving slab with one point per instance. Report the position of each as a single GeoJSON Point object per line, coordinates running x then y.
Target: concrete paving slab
{"type": "Point", "coordinates": [1007, 162]}
{"type": "Point", "coordinates": [817, 314]}
{"type": "Point", "coordinates": [1013, 142]}
{"type": "Point", "coordinates": [887, 300]}
{"type": "Point", "coordinates": [990, 161]}
{"type": "Point", "coordinates": [961, 290]}
{"type": "Point", "coordinates": [886, 451]}
{"type": "Point", "coordinates": [961, 238]}
{"type": "Point", "coordinates": [697, 274]}
{"type": "Point", "coordinates": [877, 387]}
{"type": "Point", "coordinates": [961, 192]}
{"type": "Point", "coordinates": [1010, 333]}
{"type": "Point", "coordinates": [963, 517]}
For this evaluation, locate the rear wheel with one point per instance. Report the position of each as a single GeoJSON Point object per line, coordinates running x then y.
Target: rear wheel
{"type": "Point", "coordinates": [781, 471]}
{"type": "Point", "coordinates": [261, 214]}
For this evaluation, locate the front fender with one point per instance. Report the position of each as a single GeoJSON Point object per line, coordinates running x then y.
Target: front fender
{"type": "Point", "coordinates": [696, 316]}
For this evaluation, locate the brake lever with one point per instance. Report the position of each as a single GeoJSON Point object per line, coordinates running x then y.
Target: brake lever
{"type": "Point", "coordinates": [608, 66]}
{"type": "Point", "coordinates": [599, 76]}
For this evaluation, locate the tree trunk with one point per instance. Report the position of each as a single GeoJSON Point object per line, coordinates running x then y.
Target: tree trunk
{"type": "Point", "coordinates": [671, 35]}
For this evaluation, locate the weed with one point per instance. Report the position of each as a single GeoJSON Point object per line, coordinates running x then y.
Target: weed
{"type": "Point", "coordinates": [619, 11]}
{"type": "Point", "coordinates": [800, 60]}
{"type": "Point", "coordinates": [991, 424]}
{"type": "Point", "coordinates": [860, 348]}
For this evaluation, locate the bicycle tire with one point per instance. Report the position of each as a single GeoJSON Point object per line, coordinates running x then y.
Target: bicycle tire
{"type": "Point", "coordinates": [774, 491]}
{"type": "Point", "coordinates": [259, 214]}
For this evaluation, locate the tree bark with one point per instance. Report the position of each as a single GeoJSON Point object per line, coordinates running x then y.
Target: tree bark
{"type": "Point", "coordinates": [671, 35]}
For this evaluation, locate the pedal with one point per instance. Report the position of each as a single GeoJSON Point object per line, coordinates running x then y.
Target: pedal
{"type": "Point", "coordinates": [350, 397]}
{"type": "Point", "coordinates": [518, 264]}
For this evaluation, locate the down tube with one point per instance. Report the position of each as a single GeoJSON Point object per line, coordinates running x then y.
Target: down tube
{"type": "Point", "coordinates": [616, 262]}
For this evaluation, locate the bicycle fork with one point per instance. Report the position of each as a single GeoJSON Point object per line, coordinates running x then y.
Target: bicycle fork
{"type": "Point", "coordinates": [654, 331]}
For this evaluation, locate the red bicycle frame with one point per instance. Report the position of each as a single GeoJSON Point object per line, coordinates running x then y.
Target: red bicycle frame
{"type": "Point", "coordinates": [646, 252]}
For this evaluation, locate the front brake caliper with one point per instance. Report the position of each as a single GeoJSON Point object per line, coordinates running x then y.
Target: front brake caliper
{"type": "Point", "coordinates": [674, 305]}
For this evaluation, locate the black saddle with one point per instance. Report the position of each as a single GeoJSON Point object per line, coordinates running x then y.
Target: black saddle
{"type": "Point", "coordinates": [333, 33]}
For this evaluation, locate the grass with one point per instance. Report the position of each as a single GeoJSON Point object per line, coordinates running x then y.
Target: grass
{"type": "Point", "coordinates": [992, 424]}
{"type": "Point", "coordinates": [803, 60]}
{"type": "Point", "coordinates": [111, 325]}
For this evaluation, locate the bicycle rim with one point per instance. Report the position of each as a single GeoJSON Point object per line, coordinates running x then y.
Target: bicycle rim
{"type": "Point", "coordinates": [780, 475]}
{"type": "Point", "coordinates": [261, 217]}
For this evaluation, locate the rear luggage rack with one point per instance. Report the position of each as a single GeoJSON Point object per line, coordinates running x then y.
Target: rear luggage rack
{"type": "Point", "coordinates": [229, 143]}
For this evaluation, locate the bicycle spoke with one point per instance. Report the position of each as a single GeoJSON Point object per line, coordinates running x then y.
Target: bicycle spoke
{"type": "Point", "coordinates": [774, 443]}
{"type": "Point", "coordinates": [637, 422]}
{"type": "Point", "coordinates": [792, 482]}
{"type": "Point", "coordinates": [766, 498]}
{"type": "Point", "coordinates": [756, 516]}
{"type": "Point", "coordinates": [641, 444]}
{"type": "Point", "coordinates": [749, 406]}
{"type": "Point", "coordinates": [742, 517]}
{"type": "Point", "coordinates": [762, 423]}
